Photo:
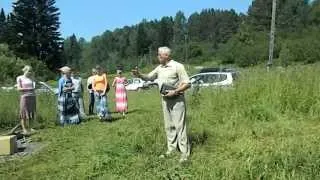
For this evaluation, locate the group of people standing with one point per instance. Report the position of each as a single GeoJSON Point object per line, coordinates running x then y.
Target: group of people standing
{"type": "Point", "coordinates": [172, 79]}
{"type": "Point", "coordinates": [70, 95]}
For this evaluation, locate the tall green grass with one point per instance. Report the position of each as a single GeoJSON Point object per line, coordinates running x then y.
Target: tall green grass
{"type": "Point", "coordinates": [9, 110]}
{"type": "Point", "coordinates": [264, 127]}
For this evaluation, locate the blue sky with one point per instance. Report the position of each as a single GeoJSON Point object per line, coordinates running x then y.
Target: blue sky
{"type": "Point", "coordinates": [88, 18]}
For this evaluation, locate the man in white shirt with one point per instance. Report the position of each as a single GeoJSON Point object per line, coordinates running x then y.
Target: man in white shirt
{"type": "Point", "coordinates": [173, 80]}
{"type": "Point", "coordinates": [78, 92]}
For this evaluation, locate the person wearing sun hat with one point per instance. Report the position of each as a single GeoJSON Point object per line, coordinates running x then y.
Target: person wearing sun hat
{"type": "Point", "coordinates": [67, 105]}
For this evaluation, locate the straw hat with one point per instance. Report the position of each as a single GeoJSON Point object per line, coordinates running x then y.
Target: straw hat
{"type": "Point", "coordinates": [65, 69]}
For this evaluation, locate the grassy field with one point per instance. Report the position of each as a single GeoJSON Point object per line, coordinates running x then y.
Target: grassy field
{"type": "Point", "coordinates": [265, 127]}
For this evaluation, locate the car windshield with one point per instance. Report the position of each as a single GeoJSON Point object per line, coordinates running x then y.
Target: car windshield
{"type": "Point", "coordinates": [213, 78]}
{"type": "Point", "coordinates": [197, 79]}
{"type": "Point", "coordinates": [209, 78]}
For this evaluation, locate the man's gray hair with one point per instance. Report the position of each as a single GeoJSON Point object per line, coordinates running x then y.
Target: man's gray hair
{"type": "Point", "coordinates": [164, 50]}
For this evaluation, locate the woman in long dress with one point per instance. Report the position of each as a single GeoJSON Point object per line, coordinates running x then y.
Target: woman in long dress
{"type": "Point", "coordinates": [26, 86]}
{"type": "Point", "coordinates": [101, 88]}
{"type": "Point", "coordinates": [67, 105]}
{"type": "Point", "coordinates": [119, 84]}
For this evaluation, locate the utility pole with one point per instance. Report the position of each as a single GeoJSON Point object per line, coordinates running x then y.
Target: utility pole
{"type": "Point", "coordinates": [272, 33]}
{"type": "Point", "coordinates": [150, 56]}
{"type": "Point", "coordinates": [186, 48]}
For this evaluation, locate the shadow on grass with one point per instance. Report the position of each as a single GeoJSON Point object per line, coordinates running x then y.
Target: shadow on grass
{"type": "Point", "coordinates": [88, 118]}
{"type": "Point", "coordinates": [131, 111]}
{"type": "Point", "coordinates": [113, 119]}
{"type": "Point", "coordinates": [198, 138]}
{"type": "Point", "coordinates": [136, 111]}
{"type": "Point", "coordinates": [115, 115]}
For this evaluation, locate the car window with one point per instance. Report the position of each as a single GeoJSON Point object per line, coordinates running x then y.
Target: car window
{"type": "Point", "coordinates": [136, 81]}
{"type": "Point", "coordinates": [198, 79]}
{"type": "Point", "coordinates": [214, 78]}
{"type": "Point", "coordinates": [222, 77]}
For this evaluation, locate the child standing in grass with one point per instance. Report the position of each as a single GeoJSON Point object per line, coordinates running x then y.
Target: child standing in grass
{"type": "Point", "coordinates": [119, 84]}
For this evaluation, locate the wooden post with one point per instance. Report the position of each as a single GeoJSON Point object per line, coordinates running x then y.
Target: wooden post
{"type": "Point", "coordinates": [272, 34]}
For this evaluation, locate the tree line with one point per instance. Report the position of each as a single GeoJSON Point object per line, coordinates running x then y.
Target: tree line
{"type": "Point", "coordinates": [224, 36]}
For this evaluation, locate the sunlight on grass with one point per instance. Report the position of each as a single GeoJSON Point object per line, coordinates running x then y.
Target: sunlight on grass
{"type": "Point", "coordinates": [265, 127]}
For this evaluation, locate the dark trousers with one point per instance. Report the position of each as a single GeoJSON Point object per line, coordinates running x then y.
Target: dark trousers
{"type": "Point", "coordinates": [91, 103]}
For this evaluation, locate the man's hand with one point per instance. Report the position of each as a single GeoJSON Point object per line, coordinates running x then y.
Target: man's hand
{"type": "Point", "coordinates": [171, 93]}
{"type": "Point", "coordinates": [66, 89]}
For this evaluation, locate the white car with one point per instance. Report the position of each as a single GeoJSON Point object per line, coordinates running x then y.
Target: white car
{"type": "Point", "coordinates": [212, 79]}
{"type": "Point", "coordinates": [135, 84]}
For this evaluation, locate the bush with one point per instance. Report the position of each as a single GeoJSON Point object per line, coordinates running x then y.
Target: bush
{"type": "Point", "coordinates": [11, 67]}
{"type": "Point", "coordinates": [303, 49]}
{"type": "Point", "coordinates": [245, 51]}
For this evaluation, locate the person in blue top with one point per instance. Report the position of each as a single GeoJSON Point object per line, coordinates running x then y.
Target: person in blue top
{"type": "Point", "coordinates": [67, 106]}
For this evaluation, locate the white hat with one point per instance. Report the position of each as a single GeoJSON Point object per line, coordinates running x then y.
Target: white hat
{"type": "Point", "coordinates": [65, 69]}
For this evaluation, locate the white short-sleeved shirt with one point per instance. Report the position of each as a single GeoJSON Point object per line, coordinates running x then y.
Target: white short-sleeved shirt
{"type": "Point", "coordinates": [77, 84]}
{"type": "Point", "coordinates": [171, 74]}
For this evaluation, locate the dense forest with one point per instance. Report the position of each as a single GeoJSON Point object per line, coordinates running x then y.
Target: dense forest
{"type": "Point", "coordinates": [31, 33]}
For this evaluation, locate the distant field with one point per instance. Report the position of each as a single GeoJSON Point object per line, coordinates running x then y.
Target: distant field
{"type": "Point", "coordinates": [265, 127]}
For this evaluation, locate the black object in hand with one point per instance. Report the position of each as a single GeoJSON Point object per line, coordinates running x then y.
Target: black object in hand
{"type": "Point", "coordinates": [165, 88]}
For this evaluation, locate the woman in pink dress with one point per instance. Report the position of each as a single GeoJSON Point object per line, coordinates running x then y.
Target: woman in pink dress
{"type": "Point", "coordinates": [26, 85]}
{"type": "Point", "coordinates": [119, 84]}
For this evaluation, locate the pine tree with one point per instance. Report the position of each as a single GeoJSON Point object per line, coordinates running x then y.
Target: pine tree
{"type": "Point", "coordinates": [166, 31]}
{"type": "Point", "coordinates": [291, 14]}
{"type": "Point", "coordinates": [36, 24]}
{"type": "Point", "coordinates": [142, 41]}
{"type": "Point", "coordinates": [315, 13]}
{"type": "Point", "coordinates": [3, 26]}
{"type": "Point", "coordinates": [259, 14]}
{"type": "Point", "coordinates": [72, 51]}
{"type": "Point", "coordinates": [179, 28]}
{"type": "Point", "coordinates": [194, 29]}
